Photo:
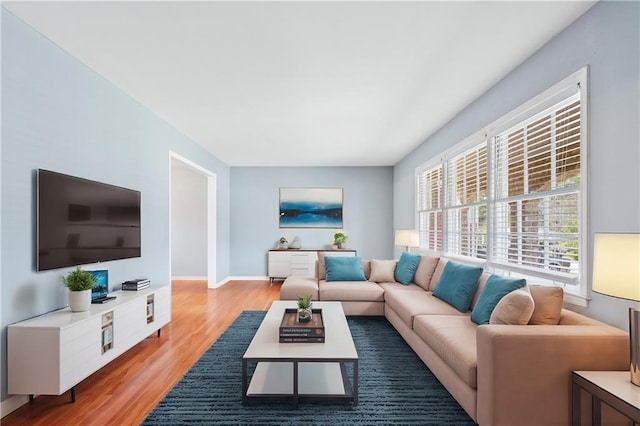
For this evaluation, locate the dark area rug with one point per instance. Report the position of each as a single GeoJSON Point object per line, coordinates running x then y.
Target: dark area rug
{"type": "Point", "coordinates": [395, 387]}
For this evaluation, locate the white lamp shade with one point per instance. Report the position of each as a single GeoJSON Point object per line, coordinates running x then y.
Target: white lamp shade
{"type": "Point", "coordinates": [407, 237]}
{"type": "Point", "coordinates": [616, 265]}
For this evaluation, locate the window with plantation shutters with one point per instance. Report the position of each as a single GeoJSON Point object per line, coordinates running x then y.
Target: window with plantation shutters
{"type": "Point", "coordinates": [429, 202]}
{"type": "Point", "coordinates": [514, 193]}
{"type": "Point", "coordinates": [466, 203]}
{"type": "Point", "coordinates": [537, 192]}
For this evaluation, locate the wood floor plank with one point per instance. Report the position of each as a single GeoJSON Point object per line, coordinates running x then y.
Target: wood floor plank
{"type": "Point", "coordinates": [127, 389]}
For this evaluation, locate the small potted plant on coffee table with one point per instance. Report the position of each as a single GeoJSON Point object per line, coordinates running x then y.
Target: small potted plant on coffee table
{"type": "Point", "coordinates": [79, 283]}
{"type": "Point", "coordinates": [304, 308]}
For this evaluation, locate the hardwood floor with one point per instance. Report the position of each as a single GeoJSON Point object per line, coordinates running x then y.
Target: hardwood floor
{"type": "Point", "coordinates": [127, 389]}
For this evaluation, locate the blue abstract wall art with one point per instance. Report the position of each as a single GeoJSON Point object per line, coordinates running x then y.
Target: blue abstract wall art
{"type": "Point", "coordinates": [311, 208]}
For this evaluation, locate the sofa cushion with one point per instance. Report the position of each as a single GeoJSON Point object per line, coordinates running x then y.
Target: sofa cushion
{"type": "Point", "coordinates": [382, 271]}
{"type": "Point", "coordinates": [453, 338]}
{"type": "Point", "coordinates": [437, 273]}
{"type": "Point", "coordinates": [344, 268]}
{"type": "Point", "coordinates": [407, 304]}
{"type": "Point", "coordinates": [366, 267]}
{"type": "Point", "coordinates": [322, 269]}
{"type": "Point", "coordinates": [295, 286]}
{"type": "Point", "coordinates": [494, 290]}
{"type": "Point", "coordinates": [358, 291]}
{"type": "Point", "coordinates": [397, 286]}
{"type": "Point", "coordinates": [481, 283]}
{"type": "Point", "coordinates": [425, 271]}
{"type": "Point", "coordinates": [548, 304]}
{"type": "Point", "coordinates": [514, 309]}
{"type": "Point", "coordinates": [406, 267]}
{"type": "Point", "coordinates": [457, 285]}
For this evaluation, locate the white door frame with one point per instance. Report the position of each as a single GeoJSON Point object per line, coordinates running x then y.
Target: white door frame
{"type": "Point", "coordinates": [212, 181]}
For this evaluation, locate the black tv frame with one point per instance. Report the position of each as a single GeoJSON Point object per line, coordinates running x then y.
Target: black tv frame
{"type": "Point", "coordinates": [115, 222]}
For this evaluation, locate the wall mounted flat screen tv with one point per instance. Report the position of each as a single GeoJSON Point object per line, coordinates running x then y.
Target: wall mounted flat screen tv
{"type": "Point", "coordinates": [81, 221]}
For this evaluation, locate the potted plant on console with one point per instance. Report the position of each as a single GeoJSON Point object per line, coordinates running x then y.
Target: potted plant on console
{"type": "Point", "coordinates": [339, 240]}
{"type": "Point", "coordinates": [79, 283]}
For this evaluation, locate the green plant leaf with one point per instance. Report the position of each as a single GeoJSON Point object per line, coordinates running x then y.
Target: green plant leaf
{"type": "Point", "coordinates": [79, 280]}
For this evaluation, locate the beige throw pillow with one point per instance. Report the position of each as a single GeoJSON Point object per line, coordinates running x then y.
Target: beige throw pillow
{"type": "Point", "coordinates": [382, 271]}
{"type": "Point", "coordinates": [322, 269]}
{"type": "Point", "coordinates": [424, 273]}
{"type": "Point", "coordinates": [515, 308]}
{"type": "Point", "coordinates": [437, 273]}
{"type": "Point", "coordinates": [366, 267]}
{"type": "Point", "coordinates": [548, 304]}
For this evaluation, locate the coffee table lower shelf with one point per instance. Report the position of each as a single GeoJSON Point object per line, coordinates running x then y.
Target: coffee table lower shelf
{"type": "Point", "coordinates": [299, 381]}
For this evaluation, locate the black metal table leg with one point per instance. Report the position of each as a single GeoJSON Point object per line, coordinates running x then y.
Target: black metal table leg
{"type": "Point", "coordinates": [244, 382]}
{"type": "Point", "coordinates": [295, 384]}
{"type": "Point", "coordinates": [355, 383]}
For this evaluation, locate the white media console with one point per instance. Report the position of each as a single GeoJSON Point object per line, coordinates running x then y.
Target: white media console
{"type": "Point", "coordinates": [51, 353]}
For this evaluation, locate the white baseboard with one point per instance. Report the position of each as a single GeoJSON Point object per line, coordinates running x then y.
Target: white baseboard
{"type": "Point", "coordinates": [223, 282]}
{"type": "Point", "coordinates": [247, 278]}
{"type": "Point", "coordinates": [12, 403]}
{"type": "Point", "coordinates": [188, 278]}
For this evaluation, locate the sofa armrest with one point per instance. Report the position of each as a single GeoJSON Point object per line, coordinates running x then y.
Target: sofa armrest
{"type": "Point", "coordinates": [524, 372]}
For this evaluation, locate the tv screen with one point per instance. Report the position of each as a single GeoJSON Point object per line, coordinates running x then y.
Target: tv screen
{"type": "Point", "coordinates": [81, 221]}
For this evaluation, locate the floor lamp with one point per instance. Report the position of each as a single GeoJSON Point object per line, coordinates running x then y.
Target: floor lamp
{"type": "Point", "coordinates": [407, 238]}
{"type": "Point", "coordinates": [616, 272]}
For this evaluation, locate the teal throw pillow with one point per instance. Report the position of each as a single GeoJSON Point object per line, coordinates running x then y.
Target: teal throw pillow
{"type": "Point", "coordinates": [344, 268]}
{"type": "Point", "coordinates": [457, 285]}
{"type": "Point", "coordinates": [494, 290]}
{"type": "Point", "coordinates": [406, 268]}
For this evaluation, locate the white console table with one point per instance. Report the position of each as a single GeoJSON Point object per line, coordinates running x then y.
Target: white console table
{"type": "Point", "coordinates": [298, 262]}
{"type": "Point", "coordinates": [51, 353]}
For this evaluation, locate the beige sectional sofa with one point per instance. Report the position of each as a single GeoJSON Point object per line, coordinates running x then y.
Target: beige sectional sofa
{"type": "Point", "coordinates": [501, 374]}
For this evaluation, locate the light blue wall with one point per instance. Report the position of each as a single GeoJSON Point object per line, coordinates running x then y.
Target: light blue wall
{"type": "Point", "coordinates": [57, 114]}
{"type": "Point", "coordinates": [254, 212]}
{"type": "Point", "coordinates": [607, 39]}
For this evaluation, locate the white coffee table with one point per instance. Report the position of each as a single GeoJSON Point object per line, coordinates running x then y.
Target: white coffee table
{"type": "Point", "coordinates": [301, 372]}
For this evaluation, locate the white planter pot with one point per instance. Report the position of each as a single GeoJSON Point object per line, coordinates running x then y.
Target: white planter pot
{"type": "Point", "coordinates": [80, 301]}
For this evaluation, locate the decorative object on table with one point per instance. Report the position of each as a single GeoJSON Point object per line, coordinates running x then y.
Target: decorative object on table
{"type": "Point", "coordinates": [616, 272]}
{"type": "Point", "coordinates": [283, 244]}
{"type": "Point", "coordinates": [79, 283]}
{"type": "Point", "coordinates": [310, 208]}
{"type": "Point", "coordinates": [339, 241]}
{"type": "Point", "coordinates": [407, 238]}
{"type": "Point", "coordinates": [293, 331]}
{"type": "Point", "coordinates": [304, 308]}
{"type": "Point", "coordinates": [296, 243]}
{"type": "Point", "coordinates": [136, 285]}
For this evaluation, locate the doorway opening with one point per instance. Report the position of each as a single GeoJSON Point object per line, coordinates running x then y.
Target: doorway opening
{"type": "Point", "coordinates": [193, 230]}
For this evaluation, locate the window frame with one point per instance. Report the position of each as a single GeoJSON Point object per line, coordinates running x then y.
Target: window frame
{"type": "Point", "coordinates": [574, 293]}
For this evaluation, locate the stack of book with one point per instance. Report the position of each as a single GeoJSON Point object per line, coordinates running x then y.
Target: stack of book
{"type": "Point", "coordinates": [137, 284]}
{"type": "Point", "coordinates": [293, 331]}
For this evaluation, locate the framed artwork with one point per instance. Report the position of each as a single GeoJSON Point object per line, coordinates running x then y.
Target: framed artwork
{"type": "Point", "coordinates": [311, 208]}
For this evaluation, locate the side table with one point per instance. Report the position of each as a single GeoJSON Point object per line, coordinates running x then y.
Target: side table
{"type": "Point", "coordinates": [614, 388]}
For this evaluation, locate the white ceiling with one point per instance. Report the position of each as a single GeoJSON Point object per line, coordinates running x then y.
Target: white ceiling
{"type": "Point", "coordinates": [302, 83]}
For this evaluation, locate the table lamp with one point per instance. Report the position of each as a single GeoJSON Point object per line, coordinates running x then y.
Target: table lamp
{"type": "Point", "coordinates": [616, 272]}
{"type": "Point", "coordinates": [407, 238]}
